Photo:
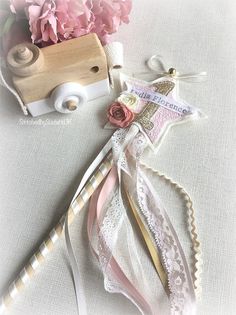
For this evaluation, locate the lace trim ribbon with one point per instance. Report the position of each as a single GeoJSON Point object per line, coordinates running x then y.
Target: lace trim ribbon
{"type": "Point", "coordinates": [115, 280]}
{"type": "Point", "coordinates": [108, 223]}
{"type": "Point", "coordinates": [149, 243]}
{"type": "Point", "coordinates": [182, 296]}
{"type": "Point", "coordinates": [196, 245]}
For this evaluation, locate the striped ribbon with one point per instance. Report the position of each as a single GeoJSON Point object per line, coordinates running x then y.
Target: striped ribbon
{"type": "Point", "coordinates": [48, 244]}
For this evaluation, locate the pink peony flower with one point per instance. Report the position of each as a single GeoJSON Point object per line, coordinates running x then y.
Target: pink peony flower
{"type": "Point", "coordinates": [109, 14]}
{"type": "Point", "coordinates": [57, 20]}
{"type": "Point", "coordinates": [119, 115]}
{"type": "Point", "coordinates": [74, 18]}
{"type": "Point", "coordinates": [51, 21]}
{"type": "Point", "coordinates": [43, 21]}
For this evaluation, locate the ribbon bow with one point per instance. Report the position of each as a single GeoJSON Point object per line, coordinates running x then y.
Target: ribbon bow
{"type": "Point", "coordinates": [157, 65]}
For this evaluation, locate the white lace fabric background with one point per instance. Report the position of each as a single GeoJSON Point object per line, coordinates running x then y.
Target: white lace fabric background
{"type": "Point", "coordinates": [41, 165]}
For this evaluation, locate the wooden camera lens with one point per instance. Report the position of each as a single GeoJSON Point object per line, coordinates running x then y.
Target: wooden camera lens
{"type": "Point", "coordinates": [25, 59]}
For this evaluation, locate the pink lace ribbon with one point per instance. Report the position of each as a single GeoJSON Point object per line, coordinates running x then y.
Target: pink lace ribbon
{"type": "Point", "coordinates": [182, 296]}
{"type": "Point", "coordinates": [106, 220]}
{"type": "Point", "coordinates": [130, 176]}
{"type": "Point", "coordinates": [110, 267]}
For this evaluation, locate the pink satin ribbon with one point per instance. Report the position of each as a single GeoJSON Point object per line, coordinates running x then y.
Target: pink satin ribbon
{"type": "Point", "coordinates": [186, 304]}
{"type": "Point", "coordinates": [182, 302]}
{"type": "Point", "coordinates": [94, 217]}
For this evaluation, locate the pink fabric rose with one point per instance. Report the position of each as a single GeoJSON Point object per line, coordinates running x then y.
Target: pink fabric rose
{"type": "Point", "coordinates": [119, 115]}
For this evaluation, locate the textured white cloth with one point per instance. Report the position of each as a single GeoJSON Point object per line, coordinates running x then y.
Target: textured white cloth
{"type": "Point", "coordinates": [41, 165]}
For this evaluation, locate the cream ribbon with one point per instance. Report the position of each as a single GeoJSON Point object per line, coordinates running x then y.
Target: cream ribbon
{"type": "Point", "coordinates": [80, 295]}
{"type": "Point", "coordinates": [157, 65]}
{"type": "Point", "coordinates": [149, 243]}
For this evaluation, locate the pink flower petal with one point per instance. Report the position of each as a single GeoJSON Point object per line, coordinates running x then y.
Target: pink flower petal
{"type": "Point", "coordinates": [57, 20]}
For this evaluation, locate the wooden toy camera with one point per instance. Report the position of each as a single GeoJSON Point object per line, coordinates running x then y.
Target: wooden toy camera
{"type": "Point", "coordinates": [60, 77]}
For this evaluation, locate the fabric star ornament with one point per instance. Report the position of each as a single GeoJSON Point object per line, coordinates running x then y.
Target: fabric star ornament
{"type": "Point", "coordinates": [159, 106]}
{"type": "Point", "coordinates": [125, 211]}
{"type": "Point", "coordinates": [156, 107]}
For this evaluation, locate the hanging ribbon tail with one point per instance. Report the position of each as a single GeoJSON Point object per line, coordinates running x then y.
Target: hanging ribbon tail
{"type": "Point", "coordinates": [79, 292]}
{"type": "Point", "coordinates": [113, 239]}
{"type": "Point", "coordinates": [108, 225]}
{"type": "Point", "coordinates": [196, 245]}
{"type": "Point", "coordinates": [149, 243]}
{"type": "Point", "coordinates": [182, 295]}
{"type": "Point", "coordinates": [153, 215]}
{"type": "Point", "coordinates": [105, 218]}
{"type": "Point", "coordinates": [80, 295]}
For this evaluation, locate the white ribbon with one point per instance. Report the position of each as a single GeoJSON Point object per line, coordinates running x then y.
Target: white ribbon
{"type": "Point", "coordinates": [11, 89]}
{"type": "Point", "coordinates": [156, 64]}
{"type": "Point", "coordinates": [80, 295]}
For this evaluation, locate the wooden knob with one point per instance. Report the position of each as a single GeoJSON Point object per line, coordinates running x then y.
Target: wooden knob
{"type": "Point", "coordinates": [25, 59]}
{"type": "Point", "coordinates": [23, 55]}
{"type": "Point", "coordinates": [71, 105]}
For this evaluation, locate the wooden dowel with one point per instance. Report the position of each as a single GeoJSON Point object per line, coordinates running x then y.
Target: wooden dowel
{"type": "Point", "coordinates": [48, 244]}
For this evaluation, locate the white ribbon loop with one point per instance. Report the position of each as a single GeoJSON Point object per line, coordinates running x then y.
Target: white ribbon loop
{"type": "Point", "coordinates": [156, 64]}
